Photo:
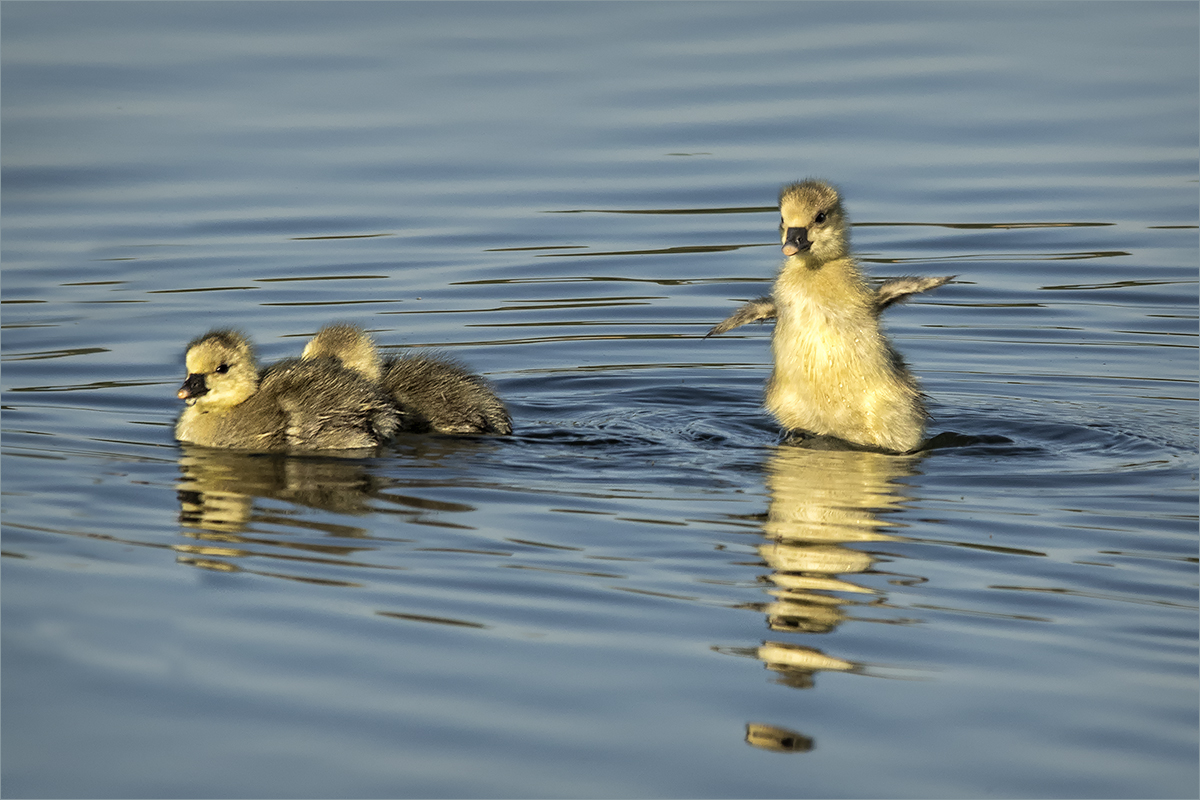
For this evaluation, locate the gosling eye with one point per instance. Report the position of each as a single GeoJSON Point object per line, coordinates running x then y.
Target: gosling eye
{"type": "Point", "coordinates": [221, 370]}
{"type": "Point", "coordinates": [819, 218]}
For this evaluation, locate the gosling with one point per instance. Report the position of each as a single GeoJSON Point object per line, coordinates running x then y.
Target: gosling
{"type": "Point", "coordinates": [836, 374]}
{"type": "Point", "coordinates": [292, 405]}
{"type": "Point", "coordinates": [433, 393]}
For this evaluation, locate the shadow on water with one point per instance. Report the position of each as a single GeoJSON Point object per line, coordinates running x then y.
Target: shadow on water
{"type": "Point", "coordinates": [941, 441]}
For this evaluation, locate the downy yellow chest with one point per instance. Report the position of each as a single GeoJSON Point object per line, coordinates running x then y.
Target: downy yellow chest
{"type": "Point", "coordinates": [826, 336]}
{"type": "Point", "coordinates": [835, 373]}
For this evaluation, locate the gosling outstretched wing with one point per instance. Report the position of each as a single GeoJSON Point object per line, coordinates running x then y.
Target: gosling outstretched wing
{"type": "Point", "coordinates": [758, 309]}
{"type": "Point", "coordinates": [897, 290]}
{"type": "Point", "coordinates": [889, 293]}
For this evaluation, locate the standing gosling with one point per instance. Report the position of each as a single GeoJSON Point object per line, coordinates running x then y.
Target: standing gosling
{"type": "Point", "coordinates": [836, 373]}
{"type": "Point", "coordinates": [432, 392]}
{"type": "Point", "coordinates": [292, 405]}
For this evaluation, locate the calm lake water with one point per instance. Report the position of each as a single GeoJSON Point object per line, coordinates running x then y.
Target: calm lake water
{"type": "Point", "coordinates": [642, 593]}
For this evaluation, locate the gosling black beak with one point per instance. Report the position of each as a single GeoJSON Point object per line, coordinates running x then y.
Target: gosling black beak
{"type": "Point", "coordinates": [193, 387]}
{"type": "Point", "coordinates": [796, 241]}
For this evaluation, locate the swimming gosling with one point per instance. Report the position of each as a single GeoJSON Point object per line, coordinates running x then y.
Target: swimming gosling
{"type": "Point", "coordinates": [292, 405]}
{"type": "Point", "coordinates": [836, 373]}
{"type": "Point", "coordinates": [433, 393]}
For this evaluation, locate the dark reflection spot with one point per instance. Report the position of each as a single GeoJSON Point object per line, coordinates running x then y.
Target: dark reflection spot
{"type": "Point", "coordinates": [436, 620]}
{"type": "Point", "coordinates": [776, 739]}
{"type": "Point", "coordinates": [952, 439]}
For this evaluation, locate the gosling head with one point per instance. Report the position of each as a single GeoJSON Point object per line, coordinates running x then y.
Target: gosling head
{"type": "Point", "coordinates": [222, 371]}
{"type": "Point", "coordinates": [813, 226]}
{"type": "Point", "coordinates": [348, 344]}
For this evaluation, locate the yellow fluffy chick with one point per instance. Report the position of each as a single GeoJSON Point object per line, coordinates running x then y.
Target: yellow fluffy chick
{"type": "Point", "coordinates": [350, 345]}
{"type": "Point", "coordinates": [433, 393]}
{"type": "Point", "coordinates": [836, 373]}
{"type": "Point", "coordinates": [292, 405]}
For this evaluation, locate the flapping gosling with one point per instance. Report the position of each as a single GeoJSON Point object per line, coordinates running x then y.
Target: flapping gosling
{"type": "Point", "coordinates": [293, 405]}
{"type": "Point", "coordinates": [433, 392]}
{"type": "Point", "coordinates": [836, 373]}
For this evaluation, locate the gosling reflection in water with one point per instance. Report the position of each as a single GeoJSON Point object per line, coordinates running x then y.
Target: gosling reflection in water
{"type": "Point", "coordinates": [219, 505]}
{"type": "Point", "coordinates": [218, 488]}
{"type": "Point", "coordinates": [820, 502]}
{"type": "Point", "coordinates": [780, 740]}
{"type": "Point", "coordinates": [218, 492]}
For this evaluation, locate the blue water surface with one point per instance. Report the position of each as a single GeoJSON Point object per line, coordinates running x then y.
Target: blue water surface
{"type": "Point", "coordinates": [642, 592]}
